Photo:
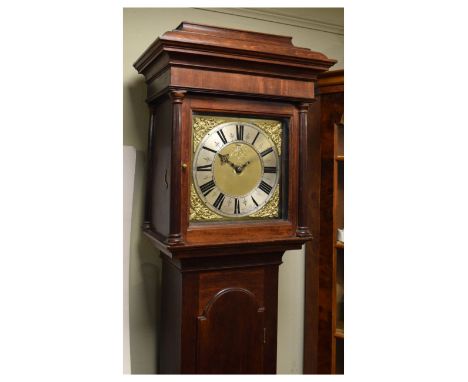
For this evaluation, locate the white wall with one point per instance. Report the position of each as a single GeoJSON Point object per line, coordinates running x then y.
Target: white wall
{"type": "Point", "coordinates": [129, 164]}
{"type": "Point", "coordinates": [141, 27]}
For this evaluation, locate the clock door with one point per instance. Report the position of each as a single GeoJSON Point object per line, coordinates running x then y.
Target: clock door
{"type": "Point", "coordinates": [230, 335]}
{"type": "Point", "coordinates": [230, 338]}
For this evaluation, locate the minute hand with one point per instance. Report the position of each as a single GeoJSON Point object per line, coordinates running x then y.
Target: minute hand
{"type": "Point", "coordinates": [244, 166]}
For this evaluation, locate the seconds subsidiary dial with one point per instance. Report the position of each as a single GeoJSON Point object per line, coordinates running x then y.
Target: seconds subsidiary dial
{"type": "Point", "coordinates": [236, 169]}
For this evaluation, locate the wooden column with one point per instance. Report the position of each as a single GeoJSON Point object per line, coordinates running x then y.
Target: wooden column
{"type": "Point", "coordinates": [303, 229]}
{"type": "Point", "coordinates": [175, 235]}
{"type": "Point", "coordinates": [149, 173]}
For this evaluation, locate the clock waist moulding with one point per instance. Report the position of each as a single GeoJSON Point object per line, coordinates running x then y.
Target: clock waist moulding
{"type": "Point", "coordinates": [220, 275]}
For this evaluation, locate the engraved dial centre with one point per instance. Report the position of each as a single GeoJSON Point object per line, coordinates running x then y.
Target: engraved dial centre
{"type": "Point", "coordinates": [237, 169]}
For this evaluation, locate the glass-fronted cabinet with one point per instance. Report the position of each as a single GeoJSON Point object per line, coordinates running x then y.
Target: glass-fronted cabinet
{"type": "Point", "coordinates": [324, 318]}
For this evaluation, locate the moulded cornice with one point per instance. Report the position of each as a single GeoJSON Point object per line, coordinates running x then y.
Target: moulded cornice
{"type": "Point", "coordinates": [231, 43]}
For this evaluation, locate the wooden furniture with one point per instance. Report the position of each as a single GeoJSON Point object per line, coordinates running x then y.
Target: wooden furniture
{"type": "Point", "coordinates": [324, 304]}
{"type": "Point", "coordinates": [220, 264]}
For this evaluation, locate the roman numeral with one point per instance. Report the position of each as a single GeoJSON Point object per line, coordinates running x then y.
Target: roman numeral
{"type": "Point", "coordinates": [236, 206]}
{"type": "Point", "coordinates": [206, 167]}
{"type": "Point", "coordinates": [222, 136]}
{"type": "Point", "coordinates": [240, 132]}
{"type": "Point", "coordinates": [219, 201]}
{"type": "Point", "coordinates": [267, 151]}
{"type": "Point", "coordinates": [253, 200]}
{"type": "Point", "coordinates": [207, 187]}
{"type": "Point", "coordinates": [269, 170]}
{"type": "Point", "coordinates": [265, 187]}
{"type": "Point", "coordinates": [253, 142]}
{"type": "Point", "coordinates": [207, 148]}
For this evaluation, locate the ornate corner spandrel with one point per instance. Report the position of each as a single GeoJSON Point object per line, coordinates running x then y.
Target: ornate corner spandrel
{"type": "Point", "coordinates": [271, 209]}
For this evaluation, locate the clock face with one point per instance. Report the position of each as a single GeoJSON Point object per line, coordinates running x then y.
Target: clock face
{"type": "Point", "coordinates": [236, 169]}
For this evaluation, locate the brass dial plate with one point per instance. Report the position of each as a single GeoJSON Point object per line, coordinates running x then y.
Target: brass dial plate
{"type": "Point", "coordinates": [236, 168]}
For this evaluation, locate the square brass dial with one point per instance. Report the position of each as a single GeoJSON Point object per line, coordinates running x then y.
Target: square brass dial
{"type": "Point", "coordinates": [216, 143]}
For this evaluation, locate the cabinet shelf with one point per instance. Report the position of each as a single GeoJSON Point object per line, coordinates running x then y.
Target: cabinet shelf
{"type": "Point", "coordinates": [339, 244]}
{"type": "Point", "coordinates": [339, 158]}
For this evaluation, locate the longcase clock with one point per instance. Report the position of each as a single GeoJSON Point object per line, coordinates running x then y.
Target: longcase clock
{"type": "Point", "coordinates": [225, 189]}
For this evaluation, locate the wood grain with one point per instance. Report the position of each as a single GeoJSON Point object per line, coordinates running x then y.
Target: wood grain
{"type": "Point", "coordinates": [312, 248]}
{"type": "Point", "coordinates": [175, 235]}
{"type": "Point", "coordinates": [195, 79]}
{"type": "Point", "coordinates": [219, 319]}
{"type": "Point", "coordinates": [234, 316]}
{"type": "Point", "coordinates": [220, 280]}
{"type": "Point", "coordinates": [320, 304]}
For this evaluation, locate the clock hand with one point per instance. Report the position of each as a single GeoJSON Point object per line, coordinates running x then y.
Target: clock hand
{"type": "Point", "coordinates": [224, 158]}
{"type": "Point", "coordinates": [245, 165]}
{"type": "Point", "coordinates": [238, 169]}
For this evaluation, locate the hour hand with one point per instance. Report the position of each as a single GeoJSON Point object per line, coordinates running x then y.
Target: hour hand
{"type": "Point", "coordinates": [224, 158]}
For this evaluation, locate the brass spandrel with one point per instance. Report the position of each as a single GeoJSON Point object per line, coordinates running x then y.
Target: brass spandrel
{"type": "Point", "coordinates": [198, 210]}
{"type": "Point", "coordinates": [271, 209]}
{"type": "Point", "coordinates": [203, 125]}
{"type": "Point", "coordinates": [273, 129]}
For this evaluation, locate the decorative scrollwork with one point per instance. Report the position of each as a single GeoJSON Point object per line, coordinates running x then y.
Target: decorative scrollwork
{"type": "Point", "coordinates": [271, 209]}
{"type": "Point", "coordinates": [198, 210]}
{"type": "Point", "coordinates": [201, 127]}
{"type": "Point", "coordinates": [273, 130]}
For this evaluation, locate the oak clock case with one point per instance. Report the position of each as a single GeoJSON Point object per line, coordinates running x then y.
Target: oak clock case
{"type": "Point", "coordinates": [224, 192]}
